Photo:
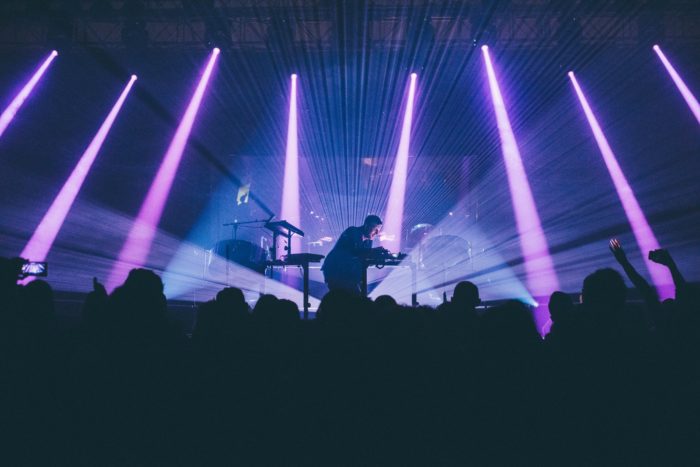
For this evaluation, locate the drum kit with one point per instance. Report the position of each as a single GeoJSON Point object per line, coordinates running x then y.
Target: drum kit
{"type": "Point", "coordinates": [441, 258]}
{"type": "Point", "coordinates": [437, 251]}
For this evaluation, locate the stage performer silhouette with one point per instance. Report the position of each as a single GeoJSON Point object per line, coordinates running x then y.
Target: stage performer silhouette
{"type": "Point", "coordinates": [342, 268]}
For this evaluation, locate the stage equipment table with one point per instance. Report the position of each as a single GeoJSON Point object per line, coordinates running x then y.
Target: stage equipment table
{"type": "Point", "coordinates": [299, 259]}
{"type": "Point", "coordinates": [391, 261]}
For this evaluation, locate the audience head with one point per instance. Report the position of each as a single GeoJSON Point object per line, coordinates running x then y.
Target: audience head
{"type": "Point", "coordinates": [604, 289]}
{"type": "Point", "coordinates": [265, 308]}
{"type": "Point", "coordinates": [140, 298]}
{"type": "Point", "coordinates": [385, 303]}
{"type": "Point", "coordinates": [466, 294]}
{"type": "Point", "coordinates": [144, 280]}
{"type": "Point", "coordinates": [560, 305]}
{"type": "Point", "coordinates": [289, 310]}
{"type": "Point", "coordinates": [37, 297]}
{"type": "Point", "coordinates": [341, 306]}
{"type": "Point", "coordinates": [232, 299]}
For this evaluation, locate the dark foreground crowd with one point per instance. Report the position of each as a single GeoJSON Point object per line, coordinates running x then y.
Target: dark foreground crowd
{"type": "Point", "coordinates": [365, 383]}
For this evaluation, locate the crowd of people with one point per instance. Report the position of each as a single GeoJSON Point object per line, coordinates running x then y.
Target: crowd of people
{"type": "Point", "coordinates": [365, 383]}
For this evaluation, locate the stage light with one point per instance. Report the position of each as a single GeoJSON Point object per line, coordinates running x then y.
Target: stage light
{"type": "Point", "coordinates": [290, 190]}
{"type": "Point", "coordinates": [444, 257]}
{"type": "Point", "coordinates": [217, 50]}
{"type": "Point", "coordinates": [393, 218]}
{"type": "Point", "coordinates": [680, 84]}
{"type": "Point", "coordinates": [539, 268]}
{"type": "Point", "coordinates": [640, 227]}
{"type": "Point", "coordinates": [217, 33]}
{"type": "Point", "coordinates": [137, 246]}
{"type": "Point", "coordinates": [41, 241]}
{"type": "Point", "coordinates": [19, 99]}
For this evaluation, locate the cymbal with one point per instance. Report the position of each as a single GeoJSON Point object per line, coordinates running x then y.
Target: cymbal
{"type": "Point", "coordinates": [421, 227]}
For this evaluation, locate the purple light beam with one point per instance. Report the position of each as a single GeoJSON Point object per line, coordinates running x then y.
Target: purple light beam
{"type": "Point", "coordinates": [687, 94]}
{"type": "Point", "coordinates": [19, 99]}
{"type": "Point", "coordinates": [541, 277]}
{"type": "Point", "coordinates": [290, 190]}
{"type": "Point", "coordinates": [640, 227]}
{"type": "Point", "coordinates": [41, 241]}
{"type": "Point", "coordinates": [393, 219]}
{"type": "Point", "coordinates": [138, 244]}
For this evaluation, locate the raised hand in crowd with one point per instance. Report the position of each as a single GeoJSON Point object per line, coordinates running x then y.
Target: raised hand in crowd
{"type": "Point", "coordinates": [648, 292]}
{"type": "Point", "coordinates": [663, 257]}
{"type": "Point", "coordinates": [617, 251]}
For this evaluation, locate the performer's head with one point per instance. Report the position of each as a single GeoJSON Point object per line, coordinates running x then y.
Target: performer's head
{"type": "Point", "coordinates": [372, 226]}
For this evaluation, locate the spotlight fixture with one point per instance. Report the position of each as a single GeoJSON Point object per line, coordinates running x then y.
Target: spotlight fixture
{"type": "Point", "coordinates": [290, 189]}
{"type": "Point", "coordinates": [218, 35]}
{"type": "Point", "coordinates": [680, 84]}
{"type": "Point", "coordinates": [138, 244]}
{"type": "Point", "coordinates": [393, 219]}
{"type": "Point", "coordinates": [9, 113]}
{"type": "Point", "coordinates": [43, 237]}
{"type": "Point", "coordinates": [640, 227]}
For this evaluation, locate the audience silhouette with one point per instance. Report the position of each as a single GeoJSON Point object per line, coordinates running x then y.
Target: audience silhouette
{"type": "Point", "coordinates": [615, 382]}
